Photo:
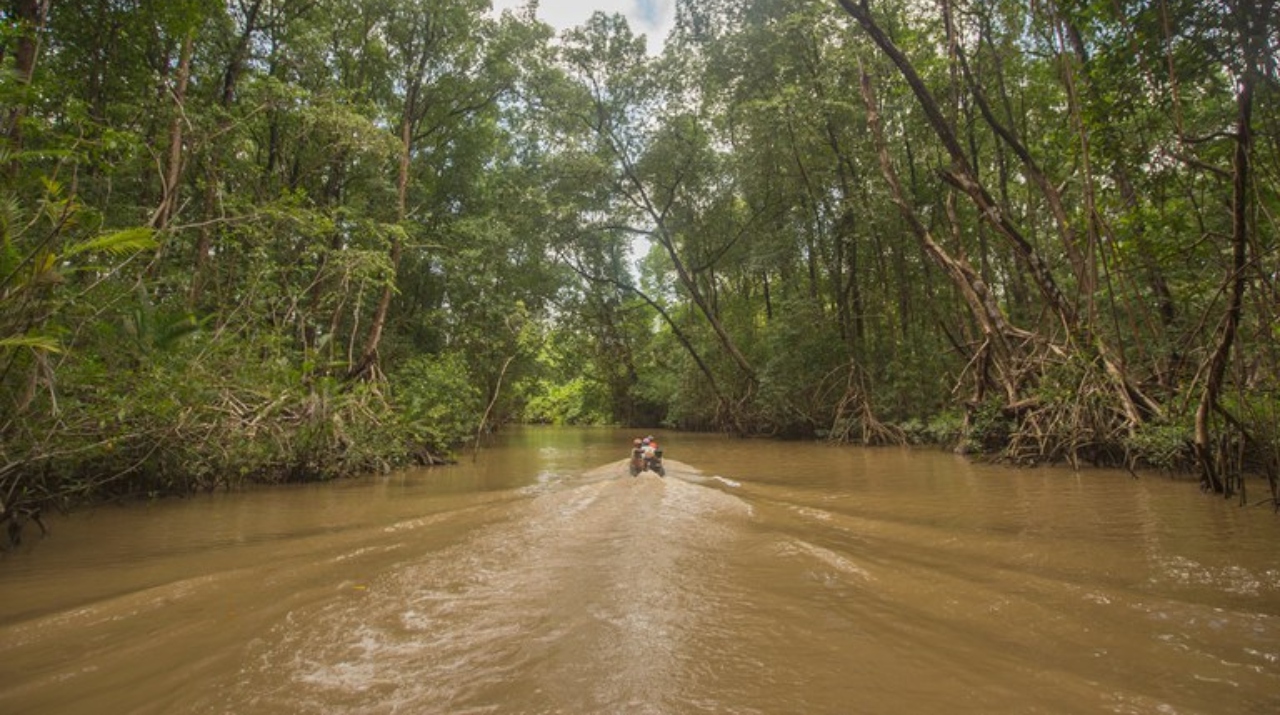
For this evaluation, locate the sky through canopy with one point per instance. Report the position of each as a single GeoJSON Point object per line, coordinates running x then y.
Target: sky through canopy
{"type": "Point", "coordinates": [652, 18]}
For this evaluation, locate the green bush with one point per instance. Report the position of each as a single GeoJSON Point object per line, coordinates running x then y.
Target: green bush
{"type": "Point", "coordinates": [1162, 445]}
{"type": "Point", "coordinates": [943, 429]}
{"type": "Point", "coordinates": [576, 402]}
{"type": "Point", "coordinates": [989, 428]}
{"type": "Point", "coordinates": [437, 400]}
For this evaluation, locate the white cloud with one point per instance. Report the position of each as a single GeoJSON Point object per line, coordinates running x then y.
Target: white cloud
{"type": "Point", "coordinates": [652, 18]}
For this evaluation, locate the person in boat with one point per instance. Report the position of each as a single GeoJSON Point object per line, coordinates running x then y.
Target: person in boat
{"type": "Point", "coordinates": [645, 455]}
{"type": "Point", "coordinates": [649, 446]}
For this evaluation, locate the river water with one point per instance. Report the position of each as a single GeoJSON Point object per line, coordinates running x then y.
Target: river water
{"type": "Point", "coordinates": [757, 577]}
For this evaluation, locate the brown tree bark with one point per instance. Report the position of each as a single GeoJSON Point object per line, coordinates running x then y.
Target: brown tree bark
{"type": "Point", "coordinates": [173, 163]}
{"type": "Point", "coordinates": [226, 98]}
{"type": "Point", "coordinates": [31, 16]}
{"type": "Point", "coordinates": [1052, 196]}
{"type": "Point", "coordinates": [961, 174]}
{"type": "Point", "coordinates": [666, 239]}
{"type": "Point", "coordinates": [1252, 19]}
{"type": "Point", "coordinates": [408, 122]}
{"type": "Point", "coordinates": [235, 63]}
{"type": "Point", "coordinates": [982, 305]}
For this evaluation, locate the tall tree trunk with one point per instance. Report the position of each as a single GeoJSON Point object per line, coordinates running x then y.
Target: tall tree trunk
{"type": "Point", "coordinates": [1087, 273]}
{"type": "Point", "coordinates": [235, 63]}
{"type": "Point", "coordinates": [213, 175]}
{"type": "Point", "coordinates": [666, 239]}
{"type": "Point", "coordinates": [411, 116]}
{"type": "Point", "coordinates": [690, 283]}
{"type": "Point", "coordinates": [982, 304]}
{"type": "Point", "coordinates": [844, 269]}
{"type": "Point", "coordinates": [369, 356]}
{"type": "Point", "coordinates": [173, 162]}
{"type": "Point", "coordinates": [961, 174]}
{"type": "Point", "coordinates": [1247, 15]}
{"type": "Point", "coordinates": [31, 15]}
{"type": "Point", "coordinates": [1032, 170]}
{"type": "Point", "coordinates": [1120, 174]}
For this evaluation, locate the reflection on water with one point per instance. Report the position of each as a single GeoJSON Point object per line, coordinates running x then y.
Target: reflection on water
{"type": "Point", "coordinates": [757, 577]}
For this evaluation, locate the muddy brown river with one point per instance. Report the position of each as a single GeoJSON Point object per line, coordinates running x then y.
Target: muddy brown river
{"type": "Point", "coordinates": [757, 577]}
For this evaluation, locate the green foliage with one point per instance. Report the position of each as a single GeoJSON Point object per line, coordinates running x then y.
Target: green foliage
{"type": "Point", "coordinates": [217, 347]}
{"type": "Point", "coordinates": [1162, 445]}
{"type": "Point", "coordinates": [988, 428]}
{"type": "Point", "coordinates": [945, 429]}
{"type": "Point", "coordinates": [383, 219]}
{"type": "Point", "coordinates": [576, 402]}
{"type": "Point", "coordinates": [198, 415]}
{"type": "Point", "coordinates": [802, 381]}
{"type": "Point", "coordinates": [438, 401]}
{"type": "Point", "coordinates": [40, 343]}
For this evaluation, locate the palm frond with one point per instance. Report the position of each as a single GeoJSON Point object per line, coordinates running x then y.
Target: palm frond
{"type": "Point", "coordinates": [130, 240]}
{"type": "Point", "coordinates": [38, 343]}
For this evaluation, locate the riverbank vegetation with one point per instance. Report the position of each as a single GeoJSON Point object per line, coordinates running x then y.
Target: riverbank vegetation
{"type": "Point", "coordinates": [281, 240]}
